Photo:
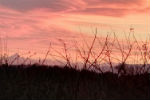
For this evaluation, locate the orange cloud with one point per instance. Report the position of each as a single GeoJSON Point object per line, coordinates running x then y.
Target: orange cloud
{"type": "Point", "coordinates": [38, 22]}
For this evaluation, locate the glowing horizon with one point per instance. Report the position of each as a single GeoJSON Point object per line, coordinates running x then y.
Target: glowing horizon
{"type": "Point", "coordinates": [30, 25]}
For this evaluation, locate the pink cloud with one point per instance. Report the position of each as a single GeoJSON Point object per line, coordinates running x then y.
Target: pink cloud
{"type": "Point", "coordinates": [96, 7]}
{"type": "Point", "coordinates": [115, 12]}
{"type": "Point", "coordinates": [38, 22]}
{"type": "Point", "coordinates": [114, 2]}
{"type": "Point", "coordinates": [24, 29]}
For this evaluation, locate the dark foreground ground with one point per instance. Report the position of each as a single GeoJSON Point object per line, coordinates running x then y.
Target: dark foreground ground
{"type": "Point", "coordinates": [42, 82]}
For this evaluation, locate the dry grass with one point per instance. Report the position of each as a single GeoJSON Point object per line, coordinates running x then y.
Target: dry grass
{"type": "Point", "coordinates": [53, 82]}
{"type": "Point", "coordinates": [123, 80]}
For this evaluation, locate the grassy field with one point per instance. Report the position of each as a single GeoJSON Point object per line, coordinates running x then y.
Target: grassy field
{"type": "Point", "coordinates": [44, 82]}
{"type": "Point", "coordinates": [38, 81]}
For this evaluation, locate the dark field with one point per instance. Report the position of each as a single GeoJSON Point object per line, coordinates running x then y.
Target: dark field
{"type": "Point", "coordinates": [42, 82]}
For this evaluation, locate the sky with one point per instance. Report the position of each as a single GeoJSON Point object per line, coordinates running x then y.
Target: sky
{"type": "Point", "coordinates": [31, 25]}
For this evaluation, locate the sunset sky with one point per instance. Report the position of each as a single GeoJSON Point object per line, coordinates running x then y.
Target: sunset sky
{"type": "Point", "coordinates": [30, 25]}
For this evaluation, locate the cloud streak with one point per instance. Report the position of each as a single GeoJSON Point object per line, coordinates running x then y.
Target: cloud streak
{"type": "Point", "coordinates": [38, 22]}
{"type": "Point", "coordinates": [96, 7]}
